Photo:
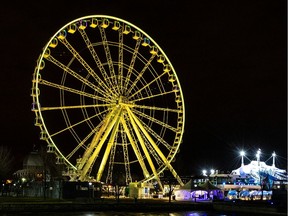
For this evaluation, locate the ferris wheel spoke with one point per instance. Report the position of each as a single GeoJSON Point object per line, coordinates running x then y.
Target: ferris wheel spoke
{"type": "Point", "coordinates": [120, 60]}
{"type": "Point", "coordinates": [68, 124]}
{"type": "Point", "coordinates": [159, 152]}
{"type": "Point", "coordinates": [153, 96]}
{"type": "Point", "coordinates": [85, 140]}
{"type": "Point", "coordinates": [163, 124]}
{"type": "Point", "coordinates": [147, 85]}
{"type": "Point", "coordinates": [77, 76]}
{"type": "Point", "coordinates": [132, 63]}
{"type": "Point", "coordinates": [108, 57]}
{"type": "Point", "coordinates": [153, 152]}
{"type": "Point", "coordinates": [78, 123]}
{"type": "Point", "coordinates": [157, 137]}
{"type": "Point", "coordinates": [75, 91]}
{"type": "Point", "coordinates": [140, 74]}
{"type": "Point", "coordinates": [74, 107]}
{"type": "Point", "coordinates": [86, 114]}
{"type": "Point", "coordinates": [135, 147]}
{"type": "Point", "coordinates": [98, 62]}
{"type": "Point", "coordinates": [157, 108]}
{"type": "Point", "coordinates": [83, 62]}
{"type": "Point", "coordinates": [126, 155]}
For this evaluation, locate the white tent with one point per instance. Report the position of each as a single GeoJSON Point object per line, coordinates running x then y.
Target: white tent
{"type": "Point", "coordinates": [258, 170]}
{"type": "Point", "coordinates": [203, 191]}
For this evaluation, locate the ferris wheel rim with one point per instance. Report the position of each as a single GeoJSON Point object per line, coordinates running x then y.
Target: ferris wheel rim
{"type": "Point", "coordinates": [135, 27]}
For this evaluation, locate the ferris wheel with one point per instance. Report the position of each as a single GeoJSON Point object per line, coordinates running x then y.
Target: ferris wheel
{"type": "Point", "coordinates": [108, 101]}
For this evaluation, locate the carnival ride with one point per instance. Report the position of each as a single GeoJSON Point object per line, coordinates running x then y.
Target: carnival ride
{"type": "Point", "coordinates": [108, 101]}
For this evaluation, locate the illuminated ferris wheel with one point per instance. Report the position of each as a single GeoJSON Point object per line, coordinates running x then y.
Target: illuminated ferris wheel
{"type": "Point", "coordinates": [107, 100]}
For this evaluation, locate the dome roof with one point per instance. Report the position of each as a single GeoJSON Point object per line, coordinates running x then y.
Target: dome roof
{"type": "Point", "coordinates": [33, 160]}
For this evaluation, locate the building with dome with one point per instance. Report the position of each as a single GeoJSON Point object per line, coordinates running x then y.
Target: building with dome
{"type": "Point", "coordinates": [34, 179]}
{"type": "Point", "coordinates": [33, 167]}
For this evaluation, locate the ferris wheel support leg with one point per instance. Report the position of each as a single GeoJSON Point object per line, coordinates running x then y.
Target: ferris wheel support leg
{"type": "Point", "coordinates": [108, 149]}
{"type": "Point", "coordinates": [133, 144]}
{"type": "Point", "coordinates": [135, 127]}
{"type": "Point", "coordinates": [94, 142]}
{"type": "Point", "coordinates": [94, 156]}
{"type": "Point", "coordinates": [166, 162]}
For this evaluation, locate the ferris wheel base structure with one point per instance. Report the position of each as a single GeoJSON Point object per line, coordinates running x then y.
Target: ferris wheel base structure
{"type": "Point", "coordinates": [108, 102]}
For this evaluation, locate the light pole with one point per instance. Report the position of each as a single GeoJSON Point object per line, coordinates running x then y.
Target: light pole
{"type": "Point", "coordinates": [258, 156]}
{"type": "Point", "coordinates": [23, 180]}
{"type": "Point", "coordinates": [204, 173]}
{"type": "Point", "coordinates": [242, 154]}
{"type": "Point", "coordinates": [258, 160]}
{"type": "Point", "coordinates": [273, 155]}
{"type": "Point", "coordinates": [212, 172]}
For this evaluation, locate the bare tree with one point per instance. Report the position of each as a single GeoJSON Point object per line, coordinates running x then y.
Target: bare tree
{"type": "Point", "coordinates": [6, 161]}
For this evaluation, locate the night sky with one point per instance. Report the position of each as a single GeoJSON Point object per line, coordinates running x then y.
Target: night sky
{"type": "Point", "coordinates": [230, 58]}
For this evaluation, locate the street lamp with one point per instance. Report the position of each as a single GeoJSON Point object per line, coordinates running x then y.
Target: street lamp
{"type": "Point", "coordinates": [212, 172]}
